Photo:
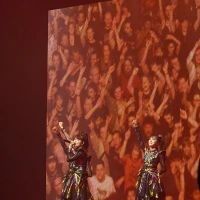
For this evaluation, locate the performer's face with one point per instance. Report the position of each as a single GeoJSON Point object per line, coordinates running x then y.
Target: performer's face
{"type": "Point", "coordinates": [77, 142]}
{"type": "Point", "coordinates": [153, 141]}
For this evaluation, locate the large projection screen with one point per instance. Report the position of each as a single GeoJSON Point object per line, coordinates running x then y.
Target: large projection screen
{"type": "Point", "coordinates": [110, 63]}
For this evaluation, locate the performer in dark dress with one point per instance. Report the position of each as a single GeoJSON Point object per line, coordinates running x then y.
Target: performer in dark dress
{"type": "Point", "coordinates": [149, 185]}
{"type": "Point", "coordinates": [75, 185]}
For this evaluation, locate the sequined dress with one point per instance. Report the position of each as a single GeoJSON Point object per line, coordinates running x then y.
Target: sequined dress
{"type": "Point", "coordinates": [75, 185]}
{"type": "Point", "coordinates": [149, 185]}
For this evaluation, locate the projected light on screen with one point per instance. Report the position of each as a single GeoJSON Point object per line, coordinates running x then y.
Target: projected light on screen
{"type": "Point", "coordinates": [110, 63]}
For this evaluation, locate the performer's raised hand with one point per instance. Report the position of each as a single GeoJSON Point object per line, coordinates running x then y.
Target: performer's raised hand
{"type": "Point", "coordinates": [61, 125]}
{"type": "Point", "coordinates": [71, 145]}
{"type": "Point", "coordinates": [135, 124]}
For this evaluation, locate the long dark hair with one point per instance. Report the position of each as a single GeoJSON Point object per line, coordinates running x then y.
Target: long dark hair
{"type": "Point", "coordinates": [161, 143]}
{"type": "Point", "coordinates": [84, 138]}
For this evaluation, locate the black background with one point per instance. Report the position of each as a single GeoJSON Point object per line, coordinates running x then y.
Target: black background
{"type": "Point", "coordinates": [23, 29]}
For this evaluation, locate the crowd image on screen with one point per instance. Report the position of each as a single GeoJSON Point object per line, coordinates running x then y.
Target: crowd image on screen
{"type": "Point", "coordinates": [115, 61]}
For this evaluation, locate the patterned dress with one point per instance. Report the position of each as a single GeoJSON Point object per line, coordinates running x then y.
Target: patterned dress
{"type": "Point", "coordinates": [149, 185]}
{"type": "Point", "coordinates": [75, 185]}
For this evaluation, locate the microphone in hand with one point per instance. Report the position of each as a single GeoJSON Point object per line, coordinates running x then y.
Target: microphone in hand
{"type": "Point", "coordinates": [71, 144]}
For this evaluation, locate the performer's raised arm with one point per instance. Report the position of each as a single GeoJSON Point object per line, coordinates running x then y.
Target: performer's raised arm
{"type": "Point", "coordinates": [79, 166]}
{"type": "Point", "coordinates": [72, 157]}
{"type": "Point", "coordinates": [62, 141]}
{"type": "Point", "coordinates": [137, 131]}
{"type": "Point", "coordinates": [64, 132]}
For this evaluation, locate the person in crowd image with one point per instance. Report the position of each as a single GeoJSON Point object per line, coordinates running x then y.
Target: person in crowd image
{"type": "Point", "coordinates": [53, 168]}
{"type": "Point", "coordinates": [57, 187]}
{"type": "Point", "coordinates": [49, 191]}
{"type": "Point", "coordinates": [130, 193]}
{"type": "Point", "coordinates": [101, 185]}
{"type": "Point", "coordinates": [75, 185]}
{"type": "Point", "coordinates": [113, 62]}
{"type": "Point", "coordinates": [149, 185]}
